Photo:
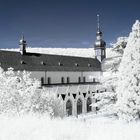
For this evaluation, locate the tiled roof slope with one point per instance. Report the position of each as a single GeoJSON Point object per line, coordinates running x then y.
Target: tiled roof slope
{"type": "Point", "coordinates": [47, 62]}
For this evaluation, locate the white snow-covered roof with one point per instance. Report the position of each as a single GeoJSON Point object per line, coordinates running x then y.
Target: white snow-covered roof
{"type": "Point", "coordinates": [81, 52]}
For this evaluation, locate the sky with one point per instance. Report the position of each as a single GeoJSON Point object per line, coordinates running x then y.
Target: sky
{"type": "Point", "coordinates": [65, 23]}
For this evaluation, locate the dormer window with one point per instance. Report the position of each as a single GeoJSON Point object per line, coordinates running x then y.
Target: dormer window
{"type": "Point", "coordinates": [89, 65]}
{"type": "Point", "coordinates": [22, 62]}
{"type": "Point", "coordinates": [76, 64]}
{"type": "Point", "coordinates": [42, 63]}
{"type": "Point", "coordinates": [60, 64]}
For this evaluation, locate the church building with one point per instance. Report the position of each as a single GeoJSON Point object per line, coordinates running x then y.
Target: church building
{"type": "Point", "coordinates": [74, 79]}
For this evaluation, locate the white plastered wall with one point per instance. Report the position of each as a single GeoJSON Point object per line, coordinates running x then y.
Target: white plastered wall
{"type": "Point", "coordinates": [73, 76]}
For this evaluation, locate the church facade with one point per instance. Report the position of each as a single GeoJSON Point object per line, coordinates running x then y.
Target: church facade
{"type": "Point", "coordinates": [73, 79]}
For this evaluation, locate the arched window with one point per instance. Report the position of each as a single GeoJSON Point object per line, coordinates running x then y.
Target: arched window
{"type": "Point", "coordinates": [62, 80]}
{"type": "Point", "coordinates": [84, 79]}
{"type": "Point", "coordinates": [42, 80]}
{"type": "Point", "coordinates": [103, 52]}
{"type": "Point", "coordinates": [79, 106]}
{"type": "Point", "coordinates": [68, 80]}
{"type": "Point", "coordinates": [79, 79]}
{"type": "Point", "coordinates": [49, 80]}
{"type": "Point", "coordinates": [89, 102]}
{"type": "Point", "coordinates": [69, 107]}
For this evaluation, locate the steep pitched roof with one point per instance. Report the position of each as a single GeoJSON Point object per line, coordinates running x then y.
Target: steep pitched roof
{"type": "Point", "coordinates": [47, 62]}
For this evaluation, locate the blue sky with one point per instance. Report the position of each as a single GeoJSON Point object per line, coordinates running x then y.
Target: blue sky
{"type": "Point", "coordinates": [64, 23]}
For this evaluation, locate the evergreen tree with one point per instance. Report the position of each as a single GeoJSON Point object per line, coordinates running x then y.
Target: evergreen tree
{"type": "Point", "coordinates": [128, 90]}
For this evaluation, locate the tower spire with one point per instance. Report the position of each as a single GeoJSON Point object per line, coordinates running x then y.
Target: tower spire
{"type": "Point", "coordinates": [22, 36]}
{"type": "Point", "coordinates": [99, 33]}
{"type": "Point", "coordinates": [98, 22]}
{"type": "Point", "coordinates": [99, 44]}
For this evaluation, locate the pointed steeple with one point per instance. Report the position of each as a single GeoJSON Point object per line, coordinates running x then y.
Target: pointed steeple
{"type": "Point", "coordinates": [98, 23]}
{"type": "Point", "coordinates": [22, 36]}
{"type": "Point", "coordinates": [100, 44]}
{"type": "Point", "coordinates": [22, 44]}
{"type": "Point", "coordinates": [98, 33]}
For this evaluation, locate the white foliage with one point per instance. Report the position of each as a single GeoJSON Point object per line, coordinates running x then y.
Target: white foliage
{"type": "Point", "coordinates": [120, 45]}
{"type": "Point", "coordinates": [129, 82]}
{"type": "Point", "coordinates": [107, 98]}
{"type": "Point", "coordinates": [21, 94]}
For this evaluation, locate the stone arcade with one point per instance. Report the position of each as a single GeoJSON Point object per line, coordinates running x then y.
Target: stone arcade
{"type": "Point", "coordinates": [74, 79]}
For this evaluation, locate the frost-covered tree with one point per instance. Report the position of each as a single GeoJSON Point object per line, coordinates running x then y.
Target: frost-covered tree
{"type": "Point", "coordinates": [20, 94]}
{"type": "Point", "coordinates": [120, 45]}
{"type": "Point", "coordinates": [46, 102]}
{"type": "Point", "coordinates": [128, 90]}
{"type": "Point", "coordinates": [107, 97]}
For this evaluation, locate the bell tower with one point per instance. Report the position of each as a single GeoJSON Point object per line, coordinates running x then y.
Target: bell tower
{"type": "Point", "coordinates": [22, 45]}
{"type": "Point", "coordinates": [99, 45]}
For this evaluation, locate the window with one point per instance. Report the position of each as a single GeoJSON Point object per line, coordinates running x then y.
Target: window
{"type": "Point", "coordinates": [62, 80]}
{"type": "Point", "coordinates": [79, 79]}
{"type": "Point", "coordinates": [89, 102]}
{"type": "Point", "coordinates": [69, 108]}
{"type": "Point", "coordinates": [42, 80]}
{"type": "Point", "coordinates": [60, 64]}
{"type": "Point", "coordinates": [76, 64]}
{"type": "Point", "coordinates": [68, 80]}
{"type": "Point", "coordinates": [103, 52]}
{"type": "Point", "coordinates": [22, 62]}
{"type": "Point", "coordinates": [79, 106]}
{"type": "Point", "coordinates": [98, 52]}
{"type": "Point", "coordinates": [49, 80]}
{"type": "Point", "coordinates": [84, 79]}
{"type": "Point", "coordinates": [42, 63]}
{"type": "Point", "coordinates": [89, 65]}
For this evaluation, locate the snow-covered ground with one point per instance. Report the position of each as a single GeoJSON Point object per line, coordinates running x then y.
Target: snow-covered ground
{"type": "Point", "coordinates": [42, 128]}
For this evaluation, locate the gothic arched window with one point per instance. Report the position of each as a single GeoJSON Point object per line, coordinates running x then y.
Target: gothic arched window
{"type": "Point", "coordinates": [89, 102]}
{"type": "Point", "coordinates": [79, 106]}
{"type": "Point", "coordinates": [69, 107]}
